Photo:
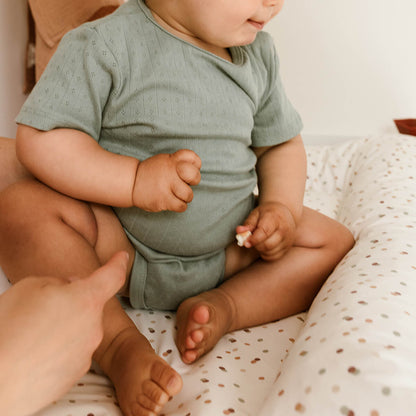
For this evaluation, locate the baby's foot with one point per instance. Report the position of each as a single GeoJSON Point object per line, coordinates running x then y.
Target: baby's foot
{"type": "Point", "coordinates": [144, 382]}
{"type": "Point", "coordinates": [202, 320]}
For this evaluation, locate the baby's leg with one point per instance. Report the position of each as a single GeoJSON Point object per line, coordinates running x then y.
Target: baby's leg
{"type": "Point", "coordinates": [10, 168]}
{"type": "Point", "coordinates": [262, 292]}
{"type": "Point", "coordinates": [43, 233]}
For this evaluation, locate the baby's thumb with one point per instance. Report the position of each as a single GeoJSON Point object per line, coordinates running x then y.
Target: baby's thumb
{"type": "Point", "coordinates": [105, 282]}
{"type": "Point", "coordinates": [251, 221]}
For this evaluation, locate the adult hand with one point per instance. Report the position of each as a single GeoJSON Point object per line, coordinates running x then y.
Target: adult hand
{"type": "Point", "coordinates": [49, 329]}
{"type": "Point", "coordinates": [163, 182]}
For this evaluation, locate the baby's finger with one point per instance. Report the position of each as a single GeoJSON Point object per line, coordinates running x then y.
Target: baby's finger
{"type": "Point", "coordinates": [186, 155]}
{"type": "Point", "coordinates": [104, 282]}
{"type": "Point", "coordinates": [271, 245]}
{"type": "Point", "coordinates": [274, 254]}
{"type": "Point", "coordinates": [189, 173]}
{"type": "Point", "coordinates": [182, 191]}
{"type": "Point", "coordinates": [265, 228]}
{"type": "Point", "coordinates": [176, 204]}
{"type": "Point", "coordinates": [250, 223]}
{"type": "Point", "coordinates": [243, 228]}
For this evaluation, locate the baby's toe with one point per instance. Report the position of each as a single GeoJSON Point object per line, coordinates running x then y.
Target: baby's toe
{"type": "Point", "coordinates": [137, 409]}
{"type": "Point", "coordinates": [197, 336]}
{"type": "Point", "coordinates": [194, 338]}
{"type": "Point", "coordinates": [189, 356]}
{"type": "Point", "coordinates": [166, 378]}
{"type": "Point", "coordinates": [153, 396]}
{"type": "Point", "coordinates": [201, 314]}
{"type": "Point", "coordinates": [190, 344]}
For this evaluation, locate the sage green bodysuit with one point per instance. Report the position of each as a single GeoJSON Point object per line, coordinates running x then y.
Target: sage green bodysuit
{"type": "Point", "coordinates": [139, 90]}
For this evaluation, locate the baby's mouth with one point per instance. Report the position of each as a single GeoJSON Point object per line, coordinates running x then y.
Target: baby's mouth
{"type": "Point", "coordinates": [257, 25]}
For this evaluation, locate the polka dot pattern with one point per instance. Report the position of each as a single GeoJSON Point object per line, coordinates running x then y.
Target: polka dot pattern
{"type": "Point", "coordinates": [353, 352]}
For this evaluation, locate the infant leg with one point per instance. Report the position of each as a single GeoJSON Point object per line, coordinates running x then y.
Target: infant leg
{"type": "Point", "coordinates": [10, 168]}
{"type": "Point", "coordinates": [263, 291]}
{"type": "Point", "coordinates": [45, 233]}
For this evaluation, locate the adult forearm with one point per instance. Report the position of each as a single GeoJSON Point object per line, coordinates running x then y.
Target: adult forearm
{"type": "Point", "coordinates": [73, 163]}
{"type": "Point", "coordinates": [282, 174]}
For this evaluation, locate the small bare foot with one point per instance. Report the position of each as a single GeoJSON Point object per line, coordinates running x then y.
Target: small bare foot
{"type": "Point", "coordinates": [202, 320]}
{"type": "Point", "coordinates": [144, 382]}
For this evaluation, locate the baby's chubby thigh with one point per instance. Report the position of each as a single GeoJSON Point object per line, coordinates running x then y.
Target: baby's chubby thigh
{"type": "Point", "coordinates": [238, 258]}
{"type": "Point", "coordinates": [111, 238]}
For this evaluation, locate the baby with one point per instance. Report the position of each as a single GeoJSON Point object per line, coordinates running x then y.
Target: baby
{"type": "Point", "coordinates": [170, 112]}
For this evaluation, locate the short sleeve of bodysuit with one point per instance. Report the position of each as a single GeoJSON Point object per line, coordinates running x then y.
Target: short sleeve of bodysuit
{"type": "Point", "coordinates": [74, 88]}
{"type": "Point", "coordinates": [276, 120]}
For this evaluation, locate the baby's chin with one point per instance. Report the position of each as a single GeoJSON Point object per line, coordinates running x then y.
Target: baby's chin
{"type": "Point", "coordinates": [247, 40]}
{"type": "Point", "coordinates": [242, 43]}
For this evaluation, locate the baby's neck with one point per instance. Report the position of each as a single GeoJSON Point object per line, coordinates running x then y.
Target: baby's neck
{"type": "Point", "coordinates": [223, 53]}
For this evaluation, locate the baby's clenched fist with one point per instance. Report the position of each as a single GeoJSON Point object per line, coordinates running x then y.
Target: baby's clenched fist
{"type": "Point", "coordinates": [163, 182]}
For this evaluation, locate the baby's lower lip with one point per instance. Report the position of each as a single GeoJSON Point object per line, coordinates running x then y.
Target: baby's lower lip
{"type": "Point", "coordinates": [257, 25]}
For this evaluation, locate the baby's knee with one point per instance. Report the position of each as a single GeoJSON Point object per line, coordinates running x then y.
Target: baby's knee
{"type": "Point", "coordinates": [14, 202]}
{"type": "Point", "coordinates": [11, 169]}
{"type": "Point", "coordinates": [27, 207]}
{"type": "Point", "coordinates": [21, 214]}
{"type": "Point", "coordinates": [342, 240]}
{"type": "Point", "coordinates": [319, 231]}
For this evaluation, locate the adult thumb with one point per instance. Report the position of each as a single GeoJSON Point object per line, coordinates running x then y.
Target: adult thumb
{"type": "Point", "coordinates": [105, 282]}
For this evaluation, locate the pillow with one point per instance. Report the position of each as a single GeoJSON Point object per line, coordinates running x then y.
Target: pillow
{"type": "Point", "coordinates": [355, 354]}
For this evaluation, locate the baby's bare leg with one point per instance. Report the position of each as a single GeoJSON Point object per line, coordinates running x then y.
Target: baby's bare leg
{"type": "Point", "coordinates": [262, 292]}
{"type": "Point", "coordinates": [45, 233]}
{"type": "Point", "coordinates": [10, 168]}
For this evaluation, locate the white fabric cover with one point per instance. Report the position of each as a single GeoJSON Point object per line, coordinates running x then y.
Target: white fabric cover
{"type": "Point", "coordinates": [356, 353]}
{"type": "Point", "coordinates": [353, 353]}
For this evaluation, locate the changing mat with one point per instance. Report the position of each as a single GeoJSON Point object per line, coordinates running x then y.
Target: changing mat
{"type": "Point", "coordinates": [353, 352]}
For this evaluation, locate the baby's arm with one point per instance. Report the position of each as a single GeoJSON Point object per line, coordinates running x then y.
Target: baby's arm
{"type": "Point", "coordinates": [282, 174]}
{"type": "Point", "coordinates": [73, 163]}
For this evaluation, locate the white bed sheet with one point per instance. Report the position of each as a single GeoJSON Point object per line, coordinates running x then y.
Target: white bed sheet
{"type": "Point", "coordinates": [353, 353]}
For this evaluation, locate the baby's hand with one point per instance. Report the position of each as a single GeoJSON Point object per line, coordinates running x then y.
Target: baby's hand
{"type": "Point", "coordinates": [163, 182]}
{"type": "Point", "coordinates": [273, 230]}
